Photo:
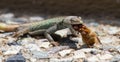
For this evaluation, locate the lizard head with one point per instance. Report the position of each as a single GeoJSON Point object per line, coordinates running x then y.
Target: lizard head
{"type": "Point", "coordinates": [81, 28]}
{"type": "Point", "coordinates": [72, 20]}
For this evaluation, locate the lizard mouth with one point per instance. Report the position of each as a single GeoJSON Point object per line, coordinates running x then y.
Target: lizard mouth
{"type": "Point", "coordinates": [76, 26]}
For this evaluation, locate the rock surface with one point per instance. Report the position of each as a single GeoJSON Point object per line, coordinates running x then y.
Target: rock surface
{"type": "Point", "coordinates": [39, 49]}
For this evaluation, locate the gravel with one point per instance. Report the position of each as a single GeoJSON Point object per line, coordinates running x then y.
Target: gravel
{"type": "Point", "coordinates": [37, 50]}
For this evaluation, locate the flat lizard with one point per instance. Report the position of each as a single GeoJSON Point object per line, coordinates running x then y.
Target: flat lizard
{"type": "Point", "coordinates": [49, 26]}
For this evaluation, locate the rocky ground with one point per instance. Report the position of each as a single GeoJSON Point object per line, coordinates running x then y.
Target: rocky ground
{"type": "Point", "coordinates": [38, 48]}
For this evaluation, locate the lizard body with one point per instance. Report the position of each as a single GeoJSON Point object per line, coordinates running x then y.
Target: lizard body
{"type": "Point", "coordinates": [49, 26]}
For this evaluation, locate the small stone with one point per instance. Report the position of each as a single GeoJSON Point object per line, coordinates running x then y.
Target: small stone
{"type": "Point", "coordinates": [11, 21]}
{"type": "Point", "coordinates": [36, 18]}
{"type": "Point", "coordinates": [105, 57]}
{"type": "Point", "coordinates": [109, 47]}
{"type": "Point", "coordinates": [3, 35]}
{"type": "Point", "coordinates": [116, 58]}
{"type": "Point", "coordinates": [78, 60]}
{"type": "Point", "coordinates": [88, 50]}
{"type": "Point", "coordinates": [43, 60]}
{"type": "Point", "coordinates": [107, 40]}
{"type": "Point", "coordinates": [45, 45]}
{"type": "Point", "coordinates": [94, 24]}
{"type": "Point", "coordinates": [21, 20]}
{"type": "Point", "coordinates": [63, 32]}
{"type": "Point", "coordinates": [42, 40]}
{"type": "Point", "coordinates": [118, 48]}
{"type": "Point", "coordinates": [12, 50]}
{"type": "Point", "coordinates": [16, 58]}
{"type": "Point", "coordinates": [32, 47]}
{"type": "Point", "coordinates": [61, 60]}
{"type": "Point", "coordinates": [113, 30]}
{"type": "Point", "coordinates": [79, 54]}
{"type": "Point", "coordinates": [78, 39]}
{"type": "Point", "coordinates": [26, 41]}
{"type": "Point", "coordinates": [65, 52]}
{"type": "Point", "coordinates": [56, 49]}
{"type": "Point", "coordinates": [93, 59]}
{"type": "Point", "coordinates": [1, 60]}
{"type": "Point", "coordinates": [40, 54]}
{"type": "Point", "coordinates": [7, 15]}
{"type": "Point", "coordinates": [33, 59]}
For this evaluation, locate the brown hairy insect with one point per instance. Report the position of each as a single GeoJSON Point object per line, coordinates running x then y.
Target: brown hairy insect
{"type": "Point", "coordinates": [88, 36]}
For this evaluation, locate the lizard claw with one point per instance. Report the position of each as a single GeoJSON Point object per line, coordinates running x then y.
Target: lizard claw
{"type": "Point", "coordinates": [55, 43]}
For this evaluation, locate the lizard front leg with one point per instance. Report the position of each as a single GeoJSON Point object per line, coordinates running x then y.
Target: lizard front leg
{"type": "Point", "coordinates": [74, 33]}
{"type": "Point", "coordinates": [49, 37]}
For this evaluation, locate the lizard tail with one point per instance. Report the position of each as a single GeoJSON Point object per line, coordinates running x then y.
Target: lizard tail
{"type": "Point", "coordinates": [7, 27]}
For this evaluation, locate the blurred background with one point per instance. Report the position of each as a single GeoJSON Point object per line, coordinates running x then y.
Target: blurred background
{"type": "Point", "coordinates": [91, 9]}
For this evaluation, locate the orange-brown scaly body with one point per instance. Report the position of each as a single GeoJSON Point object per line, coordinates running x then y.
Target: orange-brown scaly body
{"type": "Point", "coordinates": [88, 36]}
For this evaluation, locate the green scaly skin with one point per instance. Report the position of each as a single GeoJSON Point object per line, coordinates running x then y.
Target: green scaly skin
{"type": "Point", "coordinates": [48, 26]}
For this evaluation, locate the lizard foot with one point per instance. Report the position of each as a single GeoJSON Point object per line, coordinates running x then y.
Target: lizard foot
{"type": "Point", "coordinates": [55, 43]}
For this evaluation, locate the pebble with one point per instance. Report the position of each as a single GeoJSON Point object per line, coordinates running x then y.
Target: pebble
{"type": "Point", "coordinates": [118, 48]}
{"type": "Point", "coordinates": [63, 53]}
{"type": "Point", "coordinates": [16, 58]}
{"type": "Point", "coordinates": [12, 50]}
{"type": "Point", "coordinates": [42, 40]}
{"type": "Point", "coordinates": [36, 18]}
{"type": "Point", "coordinates": [1, 59]}
{"type": "Point", "coordinates": [63, 32]}
{"type": "Point", "coordinates": [33, 59]}
{"type": "Point", "coordinates": [61, 60]}
{"type": "Point", "coordinates": [79, 54]}
{"type": "Point", "coordinates": [11, 22]}
{"type": "Point", "coordinates": [21, 20]}
{"type": "Point", "coordinates": [78, 39]}
{"type": "Point", "coordinates": [105, 57]}
{"type": "Point", "coordinates": [116, 58]}
{"type": "Point", "coordinates": [113, 30]}
{"type": "Point", "coordinates": [5, 34]}
{"type": "Point", "coordinates": [7, 15]}
{"type": "Point", "coordinates": [94, 24]}
{"type": "Point", "coordinates": [57, 49]}
{"type": "Point", "coordinates": [40, 54]}
{"type": "Point", "coordinates": [107, 40]}
{"type": "Point", "coordinates": [25, 41]}
{"type": "Point", "coordinates": [32, 47]}
{"type": "Point", "coordinates": [45, 45]}
{"type": "Point", "coordinates": [108, 47]}
{"type": "Point", "coordinates": [88, 50]}
{"type": "Point", "coordinates": [93, 59]}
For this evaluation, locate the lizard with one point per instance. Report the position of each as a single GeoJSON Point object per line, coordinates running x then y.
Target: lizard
{"type": "Point", "coordinates": [48, 27]}
{"type": "Point", "coordinates": [89, 37]}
